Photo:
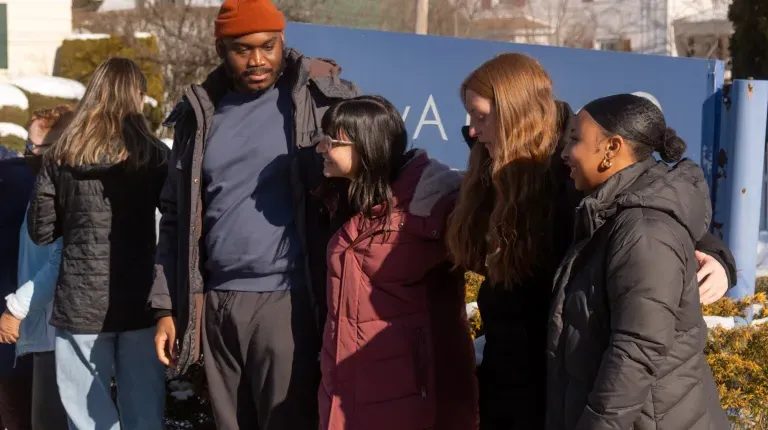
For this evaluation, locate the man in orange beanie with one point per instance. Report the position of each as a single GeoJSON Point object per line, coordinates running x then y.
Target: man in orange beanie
{"type": "Point", "coordinates": [240, 267]}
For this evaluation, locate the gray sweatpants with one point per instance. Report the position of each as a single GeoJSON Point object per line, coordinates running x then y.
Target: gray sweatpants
{"type": "Point", "coordinates": [261, 360]}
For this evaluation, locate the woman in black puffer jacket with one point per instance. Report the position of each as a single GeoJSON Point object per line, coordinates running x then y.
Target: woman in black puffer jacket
{"type": "Point", "coordinates": [626, 336]}
{"type": "Point", "coordinates": [98, 190]}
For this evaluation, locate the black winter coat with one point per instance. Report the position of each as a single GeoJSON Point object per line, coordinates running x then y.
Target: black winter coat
{"type": "Point", "coordinates": [626, 338]}
{"type": "Point", "coordinates": [106, 216]}
{"type": "Point", "coordinates": [512, 378]}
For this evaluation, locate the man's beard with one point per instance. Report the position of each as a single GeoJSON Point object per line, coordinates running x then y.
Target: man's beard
{"type": "Point", "coordinates": [238, 80]}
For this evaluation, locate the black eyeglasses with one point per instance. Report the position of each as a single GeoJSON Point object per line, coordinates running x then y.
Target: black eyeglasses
{"type": "Point", "coordinates": [331, 143]}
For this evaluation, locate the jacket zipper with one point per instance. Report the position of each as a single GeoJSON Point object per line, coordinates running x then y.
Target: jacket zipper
{"type": "Point", "coordinates": [343, 273]}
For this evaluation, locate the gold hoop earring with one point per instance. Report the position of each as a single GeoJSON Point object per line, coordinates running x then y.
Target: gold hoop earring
{"type": "Point", "coordinates": [606, 163]}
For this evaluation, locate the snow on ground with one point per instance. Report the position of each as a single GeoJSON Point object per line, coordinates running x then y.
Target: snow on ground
{"type": "Point", "coordinates": [725, 322]}
{"type": "Point", "coordinates": [471, 309]}
{"type": "Point", "coordinates": [108, 5]}
{"type": "Point", "coordinates": [97, 36]}
{"type": "Point", "coordinates": [12, 97]}
{"type": "Point", "coordinates": [87, 36]}
{"type": "Point", "coordinates": [762, 254]}
{"type": "Point", "coordinates": [9, 129]}
{"type": "Point", "coordinates": [51, 86]}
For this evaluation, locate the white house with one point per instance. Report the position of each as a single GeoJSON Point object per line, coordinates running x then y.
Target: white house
{"type": "Point", "coordinates": [644, 26]}
{"type": "Point", "coordinates": [31, 31]}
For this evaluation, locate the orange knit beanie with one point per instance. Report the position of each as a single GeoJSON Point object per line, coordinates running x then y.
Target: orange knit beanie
{"type": "Point", "coordinates": [239, 17]}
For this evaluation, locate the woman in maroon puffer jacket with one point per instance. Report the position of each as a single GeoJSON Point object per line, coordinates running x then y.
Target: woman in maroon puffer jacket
{"type": "Point", "coordinates": [397, 353]}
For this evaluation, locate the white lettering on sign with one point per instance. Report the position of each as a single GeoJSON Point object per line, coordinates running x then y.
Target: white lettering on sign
{"type": "Point", "coordinates": [430, 106]}
{"type": "Point", "coordinates": [467, 120]}
{"type": "Point", "coordinates": [405, 112]}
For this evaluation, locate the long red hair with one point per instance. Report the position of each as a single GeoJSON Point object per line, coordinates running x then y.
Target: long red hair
{"type": "Point", "coordinates": [500, 226]}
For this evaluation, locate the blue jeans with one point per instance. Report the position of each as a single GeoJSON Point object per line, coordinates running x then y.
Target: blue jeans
{"type": "Point", "coordinates": [85, 365]}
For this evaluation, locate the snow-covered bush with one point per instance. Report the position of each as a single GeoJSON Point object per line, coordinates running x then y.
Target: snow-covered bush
{"type": "Point", "coordinates": [13, 136]}
{"type": "Point", "coordinates": [44, 92]}
{"type": "Point", "coordinates": [737, 351]}
{"type": "Point", "coordinates": [81, 54]}
{"type": "Point", "coordinates": [14, 105]}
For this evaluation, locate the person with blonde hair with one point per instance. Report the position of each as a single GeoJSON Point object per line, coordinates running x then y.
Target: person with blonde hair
{"type": "Point", "coordinates": [98, 189]}
{"type": "Point", "coordinates": [513, 223]}
{"type": "Point", "coordinates": [25, 320]}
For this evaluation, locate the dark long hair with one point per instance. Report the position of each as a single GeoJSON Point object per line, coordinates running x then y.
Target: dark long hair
{"type": "Point", "coordinates": [380, 139]}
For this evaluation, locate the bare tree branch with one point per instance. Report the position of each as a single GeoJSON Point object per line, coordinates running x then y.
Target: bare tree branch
{"type": "Point", "coordinates": [184, 31]}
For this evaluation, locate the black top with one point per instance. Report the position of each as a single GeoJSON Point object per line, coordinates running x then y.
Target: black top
{"type": "Point", "coordinates": [251, 241]}
{"type": "Point", "coordinates": [106, 216]}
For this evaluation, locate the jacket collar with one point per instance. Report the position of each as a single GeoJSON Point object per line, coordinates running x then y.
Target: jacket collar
{"type": "Point", "coordinates": [599, 206]}
{"type": "Point", "coordinates": [298, 69]}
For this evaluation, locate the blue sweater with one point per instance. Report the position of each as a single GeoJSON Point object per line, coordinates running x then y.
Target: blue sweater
{"type": "Point", "coordinates": [33, 301]}
{"type": "Point", "coordinates": [251, 242]}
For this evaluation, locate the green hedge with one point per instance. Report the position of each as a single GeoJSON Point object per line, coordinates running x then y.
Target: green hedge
{"type": "Point", "coordinates": [761, 285]}
{"type": "Point", "coordinates": [39, 101]}
{"type": "Point", "coordinates": [14, 115]}
{"type": "Point", "coordinates": [78, 60]}
{"type": "Point", "coordinates": [13, 142]}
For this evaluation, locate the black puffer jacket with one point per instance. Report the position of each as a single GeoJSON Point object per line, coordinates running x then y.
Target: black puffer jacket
{"type": "Point", "coordinates": [106, 216]}
{"type": "Point", "coordinates": [626, 336]}
{"type": "Point", "coordinates": [512, 376]}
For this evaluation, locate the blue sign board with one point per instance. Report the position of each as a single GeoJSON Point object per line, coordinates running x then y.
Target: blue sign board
{"type": "Point", "coordinates": [421, 75]}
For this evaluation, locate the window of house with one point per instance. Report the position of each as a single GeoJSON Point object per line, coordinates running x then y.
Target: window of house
{"type": "Point", "coordinates": [619, 44]}
{"type": "Point", "coordinates": [3, 36]}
